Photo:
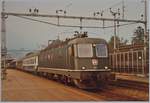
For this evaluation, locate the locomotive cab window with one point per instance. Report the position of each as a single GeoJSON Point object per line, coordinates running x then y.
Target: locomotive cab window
{"type": "Point", "coordinates": [85, 50]}
{"type": "Point", "coordinates": [101, 50]}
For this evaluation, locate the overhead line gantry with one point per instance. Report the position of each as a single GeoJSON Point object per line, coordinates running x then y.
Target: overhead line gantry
{"type": "Point", "coordinates": [72, 17]}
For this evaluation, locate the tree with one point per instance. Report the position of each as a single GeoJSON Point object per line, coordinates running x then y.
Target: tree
{"type": "Point", "coordinates": [119, 42]}
{"type": "Point", "coordinates": [138, 36]}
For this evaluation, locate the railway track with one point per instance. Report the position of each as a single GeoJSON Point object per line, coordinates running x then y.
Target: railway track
{"type": "Point", "coordinates": [125, 93]}
{"type": "Point", "coordinates": [125, 83]}
{"type": "Point", "coordinates": [113, 93]}
{"type": "Point", "coordinates": [119, 90]}
{"type": "Point", "coordinates": [131, 84]}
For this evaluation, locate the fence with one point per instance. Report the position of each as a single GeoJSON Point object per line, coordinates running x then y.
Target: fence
{"type": "Point", "coordinates": [129, 59]}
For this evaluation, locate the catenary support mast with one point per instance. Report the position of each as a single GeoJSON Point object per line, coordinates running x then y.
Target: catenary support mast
{"type": "Point", "coordinates": [3, 42]}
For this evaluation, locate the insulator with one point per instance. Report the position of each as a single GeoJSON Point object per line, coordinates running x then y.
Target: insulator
{"type": "Point", "coordinates": [94, 13]}
{"type": "Point", "coordinates": [60, 10]}
{"type": "Point", "coordinates": [30, 10]}
{"type": "Point", "coordinates": [35, 10]}
{"type": "Point", "coordinates": [142, 15]}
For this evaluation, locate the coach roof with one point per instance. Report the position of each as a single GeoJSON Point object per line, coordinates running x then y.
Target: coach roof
{"type": "Point", "coordinates": [31, 54]}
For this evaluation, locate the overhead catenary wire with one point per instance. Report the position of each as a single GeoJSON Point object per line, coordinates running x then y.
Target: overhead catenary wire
{"type": "Point", "coordinates": [77, 26]}
{"type": "Point", "coordinates": [36, 20]}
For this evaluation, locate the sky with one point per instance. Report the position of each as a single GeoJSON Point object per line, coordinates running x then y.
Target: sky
{"type": "Point", "coordinates": [22, 33]}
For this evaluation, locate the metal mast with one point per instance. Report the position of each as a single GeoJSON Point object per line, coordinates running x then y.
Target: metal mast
{"type": "Point", "coordinates": [114, 13]}
{"type": "Point", "coordinates": [145, 38]}
{"type": "Point", "coordinates": [123, 9]}
{"type": "Point", "coordinates": [3, 42]}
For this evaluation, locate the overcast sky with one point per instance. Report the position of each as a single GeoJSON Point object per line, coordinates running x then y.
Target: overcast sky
{"type": "Point", "coordinates": [27, 34]}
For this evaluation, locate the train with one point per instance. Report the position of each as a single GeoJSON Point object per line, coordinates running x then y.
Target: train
{"type": "Point", "coordinates": [12, 64]}
{"type": "Point", "coordinates": [80, 60]}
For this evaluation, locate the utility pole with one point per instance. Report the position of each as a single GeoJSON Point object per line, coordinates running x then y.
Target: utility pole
{"type": "Point", "coordinates": [145, 20]}
{"type": "Point", "coordinates": [114, 14]}
{"type": "Point", "coordinates": [123, 9]}
{"type": "Point", "coordinates": [3, 45]}
{"type": "Point", "coordinates": [145, 39]}
{"type": "Point", "coordinates": [81, 25]}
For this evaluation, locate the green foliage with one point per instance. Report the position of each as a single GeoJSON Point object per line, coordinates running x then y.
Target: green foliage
{"type": "Point", "coordinates": [138, 36]}
{"type": "Point", "coordinates": [119, 42]}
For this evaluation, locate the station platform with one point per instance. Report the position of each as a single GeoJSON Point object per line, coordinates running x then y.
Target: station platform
{"type": "Point", "coordinates": [132, 77]}
{"type": "Point", "coordinates": [22, 86]}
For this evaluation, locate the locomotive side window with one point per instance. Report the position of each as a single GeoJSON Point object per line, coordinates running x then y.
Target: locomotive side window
{"type": "Point", "coordinates": [101, 50]}
{"type": "Point", "coordinates": [85, 50]}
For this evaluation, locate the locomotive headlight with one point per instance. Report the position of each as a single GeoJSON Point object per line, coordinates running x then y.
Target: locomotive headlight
{"type": "Point", "coordinates": [94, 45]}
{"type": "Point", "coordinates": [94, 61]}
{"type": "Point", "coordinates": [83, 68]}
{"type": "Point", "coordinates": [106, 67]}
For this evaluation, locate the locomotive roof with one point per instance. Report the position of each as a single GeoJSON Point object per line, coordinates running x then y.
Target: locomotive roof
{"type": "Point", "coordinates": [79, 38]}
{"type": "Point", "coordinates": [87, 40]}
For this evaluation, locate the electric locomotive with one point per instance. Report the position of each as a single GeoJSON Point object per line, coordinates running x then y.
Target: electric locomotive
{"type": "Point", "coordinates": [81, 60]}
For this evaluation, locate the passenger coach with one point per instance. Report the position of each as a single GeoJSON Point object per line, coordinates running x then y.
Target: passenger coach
{"type": "Point", "coordinates": [30, 62]}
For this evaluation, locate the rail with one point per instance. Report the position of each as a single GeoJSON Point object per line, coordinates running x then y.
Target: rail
{"type": "Point", "coordinates": [131, 84]}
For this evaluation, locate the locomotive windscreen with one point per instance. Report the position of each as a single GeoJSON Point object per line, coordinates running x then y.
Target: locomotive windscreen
{"type": "Point", "coordinates": [101, 50]}
{"type": "Point", "coordinates": [85, 50]}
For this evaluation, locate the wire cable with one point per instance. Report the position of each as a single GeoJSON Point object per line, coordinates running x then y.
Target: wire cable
{"type": "Point", "coordinates": [72, 25]}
